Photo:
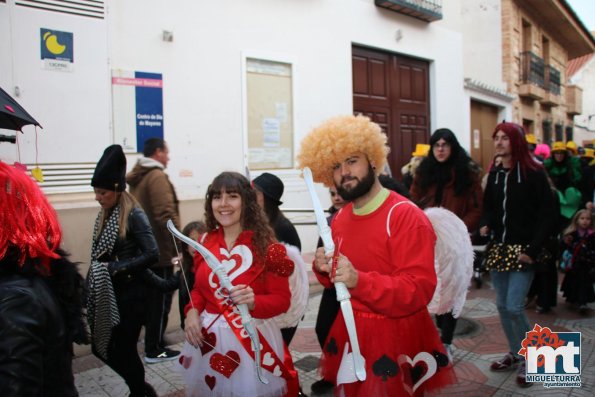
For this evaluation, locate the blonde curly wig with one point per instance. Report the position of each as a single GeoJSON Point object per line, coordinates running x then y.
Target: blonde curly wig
{"type": "Point", "coordinates": [338, 138]}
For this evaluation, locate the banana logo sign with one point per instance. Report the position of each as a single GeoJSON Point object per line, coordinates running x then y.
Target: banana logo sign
{"type": "Point", "coordinates": [51, 43]}
{"type": "Point", "coordinates": [56, 46]}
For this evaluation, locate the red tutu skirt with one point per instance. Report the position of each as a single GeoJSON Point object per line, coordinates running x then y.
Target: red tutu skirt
{"type": "Point", "coordinates": [404, 356]}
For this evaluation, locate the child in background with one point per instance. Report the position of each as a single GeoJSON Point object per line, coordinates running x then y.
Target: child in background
{"type": "Point", "coordinates": [578, 244]}
{"type": "Point", "coordinates": [194, 230]}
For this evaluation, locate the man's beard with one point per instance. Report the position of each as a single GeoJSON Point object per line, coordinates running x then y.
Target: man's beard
{"type": "Point", "coordinates": [361, 188]}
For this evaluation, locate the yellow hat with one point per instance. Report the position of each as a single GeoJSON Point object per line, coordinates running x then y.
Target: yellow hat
{"type": "Point", "coordinates": [531, 139]}
{"type": "Point", "coordinates": [421, 150]}
{"type": "Point", "coordinates": [570, 145]}
{"type": "Point", "coordinates": [589, 153]}
{"type": "Point", "coordinates": [558, 146]}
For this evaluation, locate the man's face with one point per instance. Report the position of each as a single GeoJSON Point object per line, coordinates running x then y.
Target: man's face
{"type": "Point", "coordinates": [502, 144]}
{"type": "Point", "coordinates": [354, 177]}
{"type": "Point", "coordinates": [162, 155]}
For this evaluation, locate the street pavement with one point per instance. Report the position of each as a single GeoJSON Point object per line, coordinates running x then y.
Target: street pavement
{"type": "Point", "coordinates": [479, 340]}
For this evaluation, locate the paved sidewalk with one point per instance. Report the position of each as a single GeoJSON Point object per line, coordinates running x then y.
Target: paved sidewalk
{"type": "Point", "coordinates": [479, 340]}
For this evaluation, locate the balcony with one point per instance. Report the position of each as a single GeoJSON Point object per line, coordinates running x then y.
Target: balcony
{"type": "Point", "coordinates": [532, 76]}
{"type": "Point", "coordinates": [574, 100]}
{"type": "Point", "coordinates": [426, 10]}
{"type": "Point", "coordinates": [552, 86]}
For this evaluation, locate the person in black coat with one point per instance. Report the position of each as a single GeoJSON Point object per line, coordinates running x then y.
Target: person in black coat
{"type": "Point", "coordinates": [518, 211]}
{"type": "Point", "coordinates": [40, 294]}
{"type": "Point", "coordinates": [122, 251]}
{"type": "Point", "coordinates": [269, 189]}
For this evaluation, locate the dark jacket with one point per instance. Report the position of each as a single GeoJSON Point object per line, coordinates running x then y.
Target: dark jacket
{"type": "Point", "coordinates": [529, 214]}
{"type": "Point", "coordinates": [150, 185]}
{"type": "Point", "coordinates": [285, 232]}
{"type": "Point", "coordinates": [40, 317]}
{"type": "Point", "coordinates": [467, 206]}
{"type": "Point", "coordinates": [132, 256]}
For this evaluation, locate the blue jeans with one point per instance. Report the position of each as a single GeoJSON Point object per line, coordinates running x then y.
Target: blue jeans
{"type": "Point", "coordinates": [511, 291]}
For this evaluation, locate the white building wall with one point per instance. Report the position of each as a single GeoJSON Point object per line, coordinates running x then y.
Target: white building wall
{"type": "Point", "coordinates": [584, 124]}
{"type": "Point", "coordinates": [72, 107]}
{"type": "Point", "coordinates": [202, 67]}
{"type": "Point", "coordinates": [203, 82]}
{"type": "Point", "coordinates": [480, 25]}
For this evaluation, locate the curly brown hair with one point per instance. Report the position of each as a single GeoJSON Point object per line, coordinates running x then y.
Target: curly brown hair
{"type": "Point", "coordinates": [252, 217]}
{"type": "Point", "coordinates": [338, 138]}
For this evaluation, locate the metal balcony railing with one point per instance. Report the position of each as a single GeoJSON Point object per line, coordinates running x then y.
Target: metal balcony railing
{"type": "Point", "coordinates": [552, 80]}
{"type": "Point", "coordinates": [426, 10]}
{"type": "Point", "coordinates": [532, 69]}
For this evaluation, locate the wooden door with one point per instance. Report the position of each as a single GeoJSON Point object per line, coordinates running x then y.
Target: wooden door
{"type": "Point", "coordinates": [393, 91]}
{"type": "Point", "coordinates": [484, 119]}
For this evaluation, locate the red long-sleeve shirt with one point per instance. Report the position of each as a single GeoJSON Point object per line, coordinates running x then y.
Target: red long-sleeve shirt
{"type": "Point", "coordinates": [393, 250]}
{"type": "Point", "coordinates": [272, 294]}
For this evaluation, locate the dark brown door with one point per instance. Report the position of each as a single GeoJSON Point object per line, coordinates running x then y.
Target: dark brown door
{"type": "Point", "coordinates": [393, 91]}
{"type": "Point", "coordinates": [484, 119]}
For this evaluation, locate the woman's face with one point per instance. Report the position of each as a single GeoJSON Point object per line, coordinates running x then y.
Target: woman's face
{"type": "Point", "coordinates": [336, 199]}
{"type": "Point", "coordinates": [227, 208]}
{"type": "Point", "coordinates": [441, 150]}
{"type": "Point", "coordinates": [584, 221]}
{"type": "Point", "coordinates": [107, 199]}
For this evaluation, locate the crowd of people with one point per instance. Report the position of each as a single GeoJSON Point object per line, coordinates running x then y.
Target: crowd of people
{"type": "Point", "coordinates": [242, 282]}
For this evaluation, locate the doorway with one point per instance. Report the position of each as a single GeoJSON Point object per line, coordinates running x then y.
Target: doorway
{"type": "Point", "coordinates": [484, 119]}
{"type": "Point", "coordinates": [393, 90]}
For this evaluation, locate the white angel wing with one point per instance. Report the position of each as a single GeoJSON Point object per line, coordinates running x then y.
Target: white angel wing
{"type": "Point", "coordinates": [300, 291]}
{"type": "Point", "coordinates": [453, 260]}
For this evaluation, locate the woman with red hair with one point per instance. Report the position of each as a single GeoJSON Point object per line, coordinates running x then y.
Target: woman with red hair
{"type": "Point", "coordinates": [40, 294]}
{"type": "Point", "coordinates": [519, 212]}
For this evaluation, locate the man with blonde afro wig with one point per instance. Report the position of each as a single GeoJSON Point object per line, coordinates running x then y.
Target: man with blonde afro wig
{"type": "Point", "coordinates": [386, 260]}
{"type": "Point", "coordinates": [337, 138]}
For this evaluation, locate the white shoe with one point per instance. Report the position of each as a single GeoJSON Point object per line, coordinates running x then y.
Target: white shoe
{"type": "Point", "coordinates": [448, 348]}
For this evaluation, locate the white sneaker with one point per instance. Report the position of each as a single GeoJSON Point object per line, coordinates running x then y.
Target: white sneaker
{"type": "Point", "coordinates": [448, 348]}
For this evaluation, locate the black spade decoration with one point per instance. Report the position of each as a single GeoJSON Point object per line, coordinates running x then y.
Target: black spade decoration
{"type": "Point", "coordinates": [331, 347]}
{"type": "Point", "coordinates": [441, 358]}
{"type": "Point", "coordinates": [385, 367]}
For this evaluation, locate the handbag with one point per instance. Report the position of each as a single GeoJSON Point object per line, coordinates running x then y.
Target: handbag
{"type": "Point", "coordinates": [566, 261]}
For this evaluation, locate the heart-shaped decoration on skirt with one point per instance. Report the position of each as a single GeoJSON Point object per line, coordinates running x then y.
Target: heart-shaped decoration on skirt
{"type": "Point", "coordinates": [209, 341]}
{"type": "Point", "coordinates": [185, 361]}
{"type": "Point", "coordinates": [225, 364]}
{"type": "Point", "coordinates": [210, 381]}
{"type": "Point", "coordinates": [421, 368]}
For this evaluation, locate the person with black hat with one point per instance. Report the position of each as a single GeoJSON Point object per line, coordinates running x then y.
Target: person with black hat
{"type": "Point", "coordinates": [269, 189]}
{"type": "Point", "coordinates": [123, 247]}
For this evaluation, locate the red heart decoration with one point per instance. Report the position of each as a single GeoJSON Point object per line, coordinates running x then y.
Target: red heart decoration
{"type": "Point", "coordinates": [185, 361]}
{"type": "Point", "coordinates": [277, 261]}
{"type": "Point", "coordinates": [210, 381]}
{"type": "Point", "coordinates": [234, 257]}
{"type": "Point", "coordinates": [209, 342]}
{"type": "Point", "coordinates": [225, 365]}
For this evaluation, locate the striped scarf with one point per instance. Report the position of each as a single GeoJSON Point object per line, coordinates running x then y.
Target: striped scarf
{"type": "Point", "coordinates": [102, 309]}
